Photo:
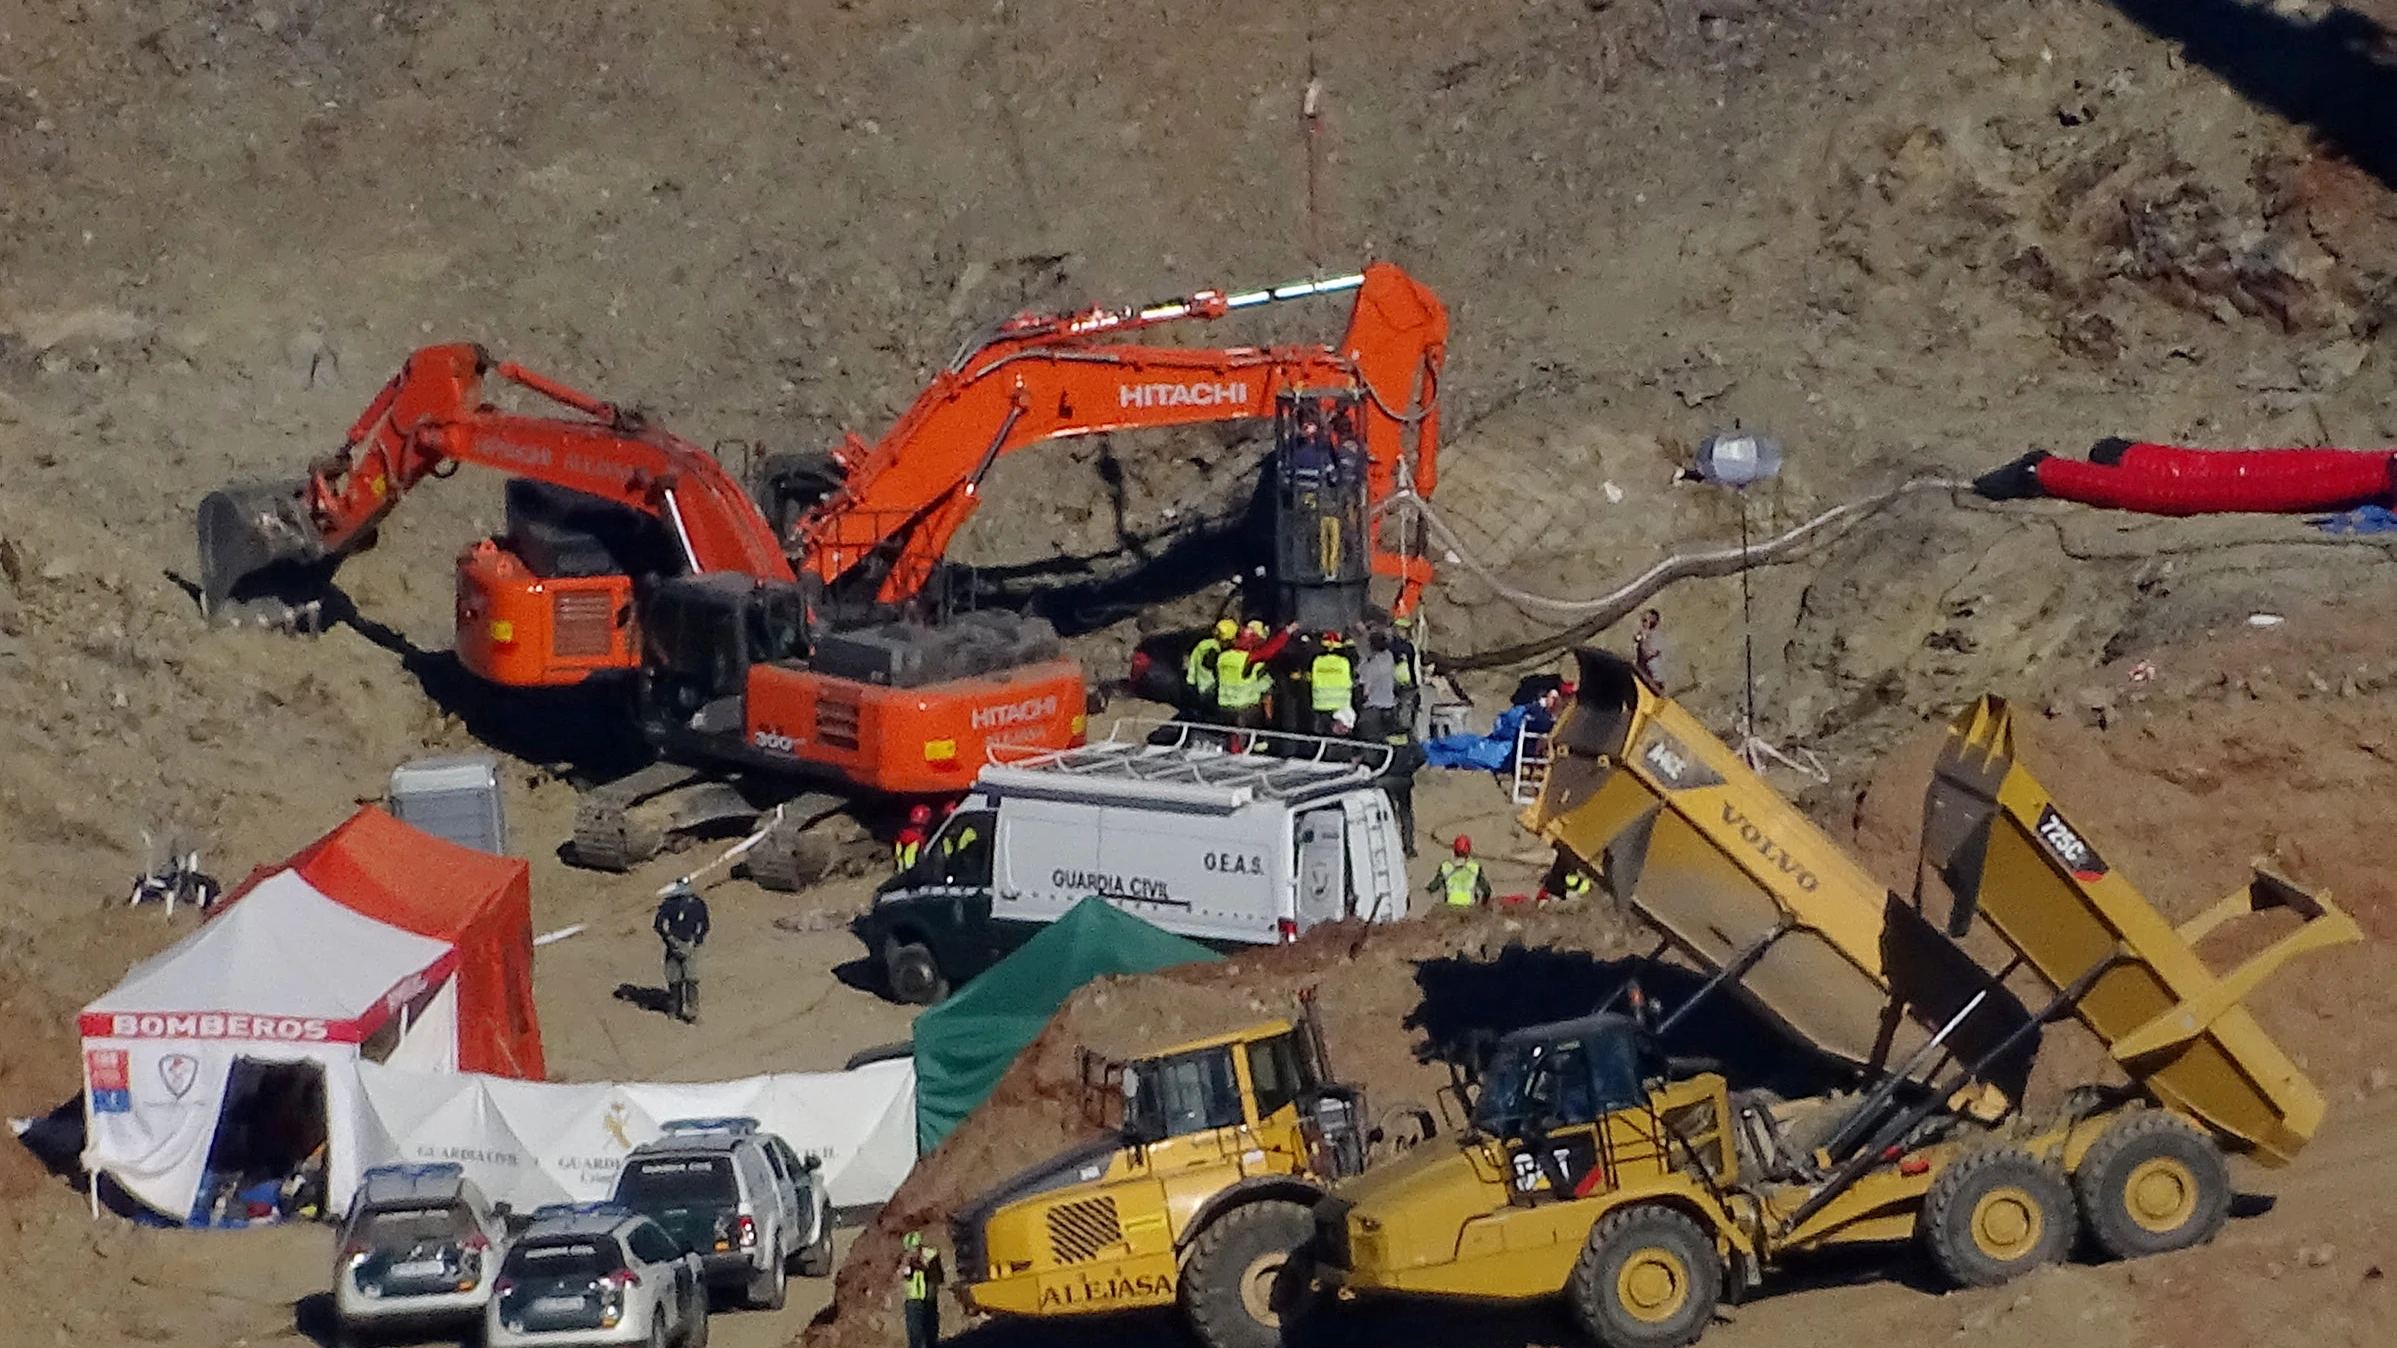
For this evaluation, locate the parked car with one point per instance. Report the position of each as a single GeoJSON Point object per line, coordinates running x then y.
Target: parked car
{"type": "Point", "coordinates": [596, 1273]}
{"type": "Point", "coordinates": [1229, 849]}
{"type": "Point", "coordinates": [417, 1253]}
{"type": "Point", "coordinates": [740, 1198]}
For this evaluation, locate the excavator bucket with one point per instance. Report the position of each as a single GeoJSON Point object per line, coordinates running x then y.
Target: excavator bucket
{"type": "Point", "coordinates": [2010, 857]}
{"type": "Point", "coordinates": [256, 542]}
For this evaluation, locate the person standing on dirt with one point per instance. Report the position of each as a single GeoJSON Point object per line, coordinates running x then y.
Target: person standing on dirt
{"type": "Point", "coordinates": [682, 924]}
{"type": "Point", "coordinates": [910, 843]}
{"type": "Point", "coordinates": [920, 1278]}
{"type": "Point", "coordinates": [1199, 671]}
{"type": "Point", "coordinates": [1242, 678]}
{"type": "Point", "coordinates": [1409, 671]}
{"type": "Point", "coordinates": [1648, 648]}
{"type": "Point", "coordinates": [1460, 880]}
{"type": "Point", "coordinates": [1377, 688]}
{"type": "Point", "coordinates": [1331, 683]}
{"type": "Point", "coordinates": [1397, 781]}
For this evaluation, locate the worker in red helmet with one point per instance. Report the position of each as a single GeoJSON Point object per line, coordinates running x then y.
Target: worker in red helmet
{"type": "Point", "coordinates": [1460, 880]}
{"type": "Point", "coordinates": [910, 843]}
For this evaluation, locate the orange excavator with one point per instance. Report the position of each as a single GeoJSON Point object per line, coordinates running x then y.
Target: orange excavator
{"type": "Point", "coordinates": [780, 635]}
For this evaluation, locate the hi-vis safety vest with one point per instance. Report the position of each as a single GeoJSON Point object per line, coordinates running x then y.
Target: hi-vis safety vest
{"type": "Point", "coordinates": [1333, 679]}
{"type": "Point", "coordinates": [1577, 884]}
{"type": "Point", "coordinates": [1199, 672]}
{"type": "Point", "coordinates": [903, 852]}
{"type": "Point", "coordinates": [1459, 879]}
{"type": "Point", "coordinates": [919, 1283]}
{"type": "Point", "coordinates": [1235, 690]}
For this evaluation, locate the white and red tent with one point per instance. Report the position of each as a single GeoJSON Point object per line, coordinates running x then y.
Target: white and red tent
{"type": "Point", "coordinates": [286, 976]}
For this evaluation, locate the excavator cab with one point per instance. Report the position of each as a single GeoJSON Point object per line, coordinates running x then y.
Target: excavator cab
{"type": "Point", "coordinates": [702, 634]}
{"type": "Point", "coordinates": [1321, 558]}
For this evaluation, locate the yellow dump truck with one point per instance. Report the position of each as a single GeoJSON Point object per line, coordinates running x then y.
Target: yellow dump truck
{"type": "Point", "coordinates": [1641, 1191]}
{"type": "Point", "coordinates": [1198, 1198]}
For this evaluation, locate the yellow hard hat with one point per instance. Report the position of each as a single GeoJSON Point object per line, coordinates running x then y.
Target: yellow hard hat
{"type": "Point", "coordinates": [1226, 629]}
{"type": "Point", "coordinates": [1255, 628]}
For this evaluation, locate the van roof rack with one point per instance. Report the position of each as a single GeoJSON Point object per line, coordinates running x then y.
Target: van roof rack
{"type": "Point", "coordinates": [1192, 766]}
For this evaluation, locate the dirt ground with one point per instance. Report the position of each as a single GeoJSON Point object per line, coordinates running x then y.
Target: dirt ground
{"type": "Point", "coordinates": [1906, 238]}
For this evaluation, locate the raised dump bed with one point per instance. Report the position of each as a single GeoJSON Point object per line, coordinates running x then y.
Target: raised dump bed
{"type": "Point", "coordinates": [1682, 831]}
{"type": "Point", "coordinates": [2008, 853]}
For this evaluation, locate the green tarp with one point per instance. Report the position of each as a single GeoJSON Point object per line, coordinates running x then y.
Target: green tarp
{"type": "Point", "coordinates": [963, 1045]}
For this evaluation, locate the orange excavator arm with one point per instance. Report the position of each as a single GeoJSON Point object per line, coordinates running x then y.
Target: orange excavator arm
{"type": "Point", "coordinates": [1042, 377]}
{"type": "Point", "coordinates": [431, 417]}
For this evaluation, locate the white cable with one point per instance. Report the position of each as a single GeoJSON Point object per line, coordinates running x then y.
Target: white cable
{"type": "Point", "coordinates": [729, 855]}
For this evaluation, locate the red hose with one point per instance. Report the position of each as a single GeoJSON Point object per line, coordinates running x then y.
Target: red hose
{"type": "Point", "coordinates": [2170, 480]}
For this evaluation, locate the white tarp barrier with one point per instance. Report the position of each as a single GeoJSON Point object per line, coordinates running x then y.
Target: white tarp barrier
{"type": "Point", "coordinates": [532, 1142]}
{"type": "Point", "coordinates": [253, 983]}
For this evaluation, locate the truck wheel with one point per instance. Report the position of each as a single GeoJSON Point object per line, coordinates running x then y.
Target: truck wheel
{"type": "Point", "coordinates": [1248, 1274]}
{"type": "Point", "coordinates": [1995, 1215]}
{"type": "Point", "coordinates": [2152, 1183]}
{"type": "Point", "coordinates": [913, 975]}
{"type": "Point", "coordinates": [1648, 1277]}
{"type": "Point", "coordinates": [770, 1286]}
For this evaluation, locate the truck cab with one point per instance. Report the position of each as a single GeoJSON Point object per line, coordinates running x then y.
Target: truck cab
{"type": "Point", "coordinates": [1221, 1145]}
{"type": "Point", "coordinates": [1571, 1117]}
{"type": "Point", "coordinates": [1230, 850]}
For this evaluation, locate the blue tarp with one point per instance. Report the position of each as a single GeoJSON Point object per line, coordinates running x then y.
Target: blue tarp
{"type": "Point", "coordinates": [2371, 519]}
{"type": "Point", "coordinates": [1486, 753]}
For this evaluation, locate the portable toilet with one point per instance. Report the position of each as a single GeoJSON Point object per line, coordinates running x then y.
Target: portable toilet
{"type": "Point", "coordinates": [455, 798]}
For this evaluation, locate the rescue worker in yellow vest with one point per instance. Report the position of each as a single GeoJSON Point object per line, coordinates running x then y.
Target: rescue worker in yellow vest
{"type": "Point", "coordinates": [957, 851]}
{"type": "Point", "coordinates": [1460, 881]}
{"type": "Point", "coordinates": [910, 843]}
{"type": "Point", "coordinates": [919, 1278]}
{"type": "Point", "coordinates": [1332, 681]}
{"type": "Point", "coordinates": [1567, 879]}
{"type": "Point", "coordinates": [1199, 670]}
{"type": "Point", "coordinates": [1242, 679]}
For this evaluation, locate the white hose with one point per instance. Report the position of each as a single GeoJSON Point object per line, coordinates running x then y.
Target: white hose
{"type": "Point", "coordinates": [1722, 561]}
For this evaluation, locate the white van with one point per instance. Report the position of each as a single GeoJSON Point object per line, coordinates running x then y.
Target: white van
{"type": "Point", "coordinates": [1228, 849]}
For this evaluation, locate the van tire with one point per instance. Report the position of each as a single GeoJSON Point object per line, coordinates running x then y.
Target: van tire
{"type": "Point", "coordinates": [2149, 1184]}
{"type": "Point", "coordinates": [1249, 1275]}
{"type": "Point", "coordinates": [1992, 1216]}
{"type": "Point", "coordinates": [1648, 1277]}
{"type": "Point", "coordinates": [911, 973]}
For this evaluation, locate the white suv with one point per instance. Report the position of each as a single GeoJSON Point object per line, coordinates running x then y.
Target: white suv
{"type": "Point", "coordinates": [595, 1273]}
{"type": "Point", "coordinates": [417, 1252]}
{"type": "Point", "coordinates": [740, 1197]}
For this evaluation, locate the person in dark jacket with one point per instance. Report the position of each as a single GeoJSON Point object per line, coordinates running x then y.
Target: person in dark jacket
{"type": "Point", "coordinates": [682, 924]}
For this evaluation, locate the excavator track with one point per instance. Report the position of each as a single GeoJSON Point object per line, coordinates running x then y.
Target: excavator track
{"type": "Point", "coordinates": [611, 832]}
{"type": "Point", "coordinates": [795, 853]}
